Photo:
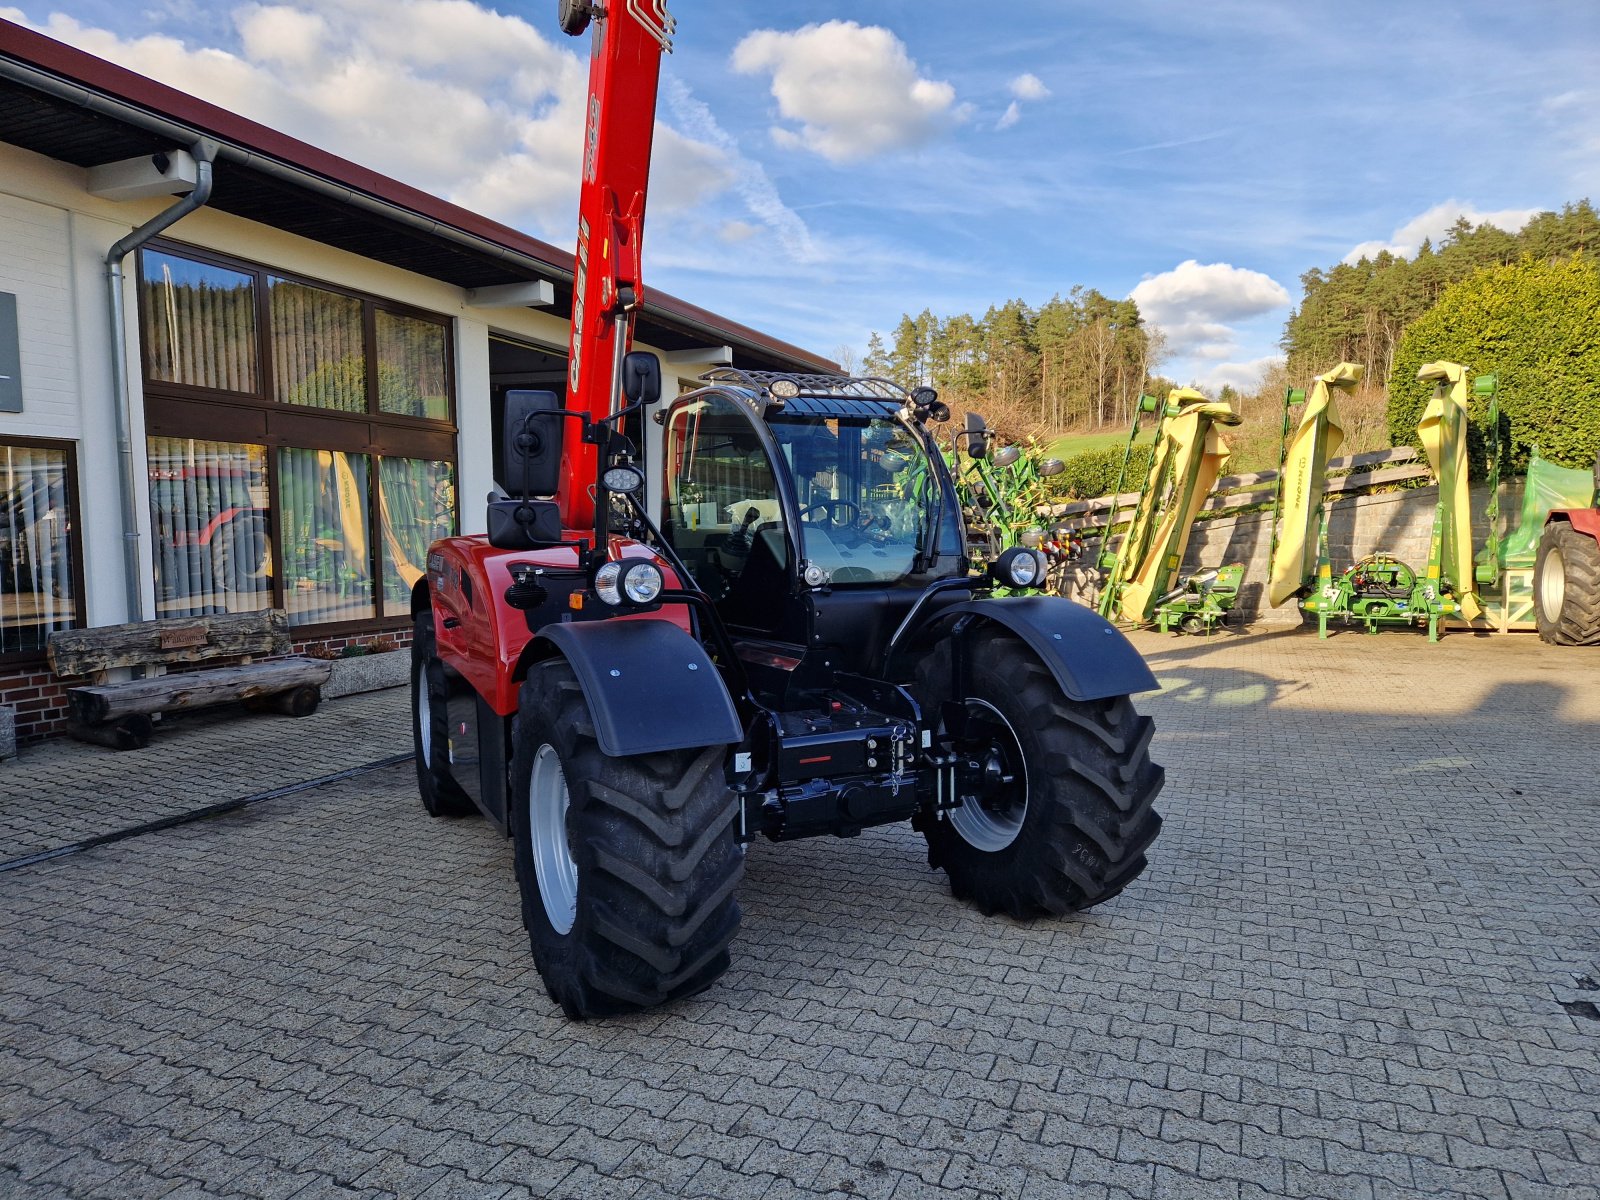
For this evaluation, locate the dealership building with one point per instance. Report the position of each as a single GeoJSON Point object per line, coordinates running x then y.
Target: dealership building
{"type": "Point", "coordinates": [238, 372]}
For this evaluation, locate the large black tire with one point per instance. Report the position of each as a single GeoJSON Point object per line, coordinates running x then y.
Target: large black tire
{"type": "Point", "coordinates": [1080, 810]}
{"type": "Point", "coordinates": [430, 731]}
{"type": "Point", "coordinates": [651, 837]}
{"type": "Point", "coordinates": [1566, 587]}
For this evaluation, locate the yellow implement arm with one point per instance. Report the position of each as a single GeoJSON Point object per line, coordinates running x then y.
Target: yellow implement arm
{"type": "Point", "coordinates": [1302, 481]}
{"type": "Point", "coordinates": [1185, 465]}
{"type": "Point", "coordinates": [1443, 433]}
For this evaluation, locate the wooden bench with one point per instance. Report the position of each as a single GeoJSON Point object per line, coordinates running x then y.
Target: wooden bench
{"type": "Point", "coordinates": [119, 714]}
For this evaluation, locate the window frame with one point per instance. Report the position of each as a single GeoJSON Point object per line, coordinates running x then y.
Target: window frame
{"type": "Point", "coordinates": [11, 658]}
{"type": "Point", "coordinates": [258, 418]}
{"type": "Point", "coordinates": [264, 397]}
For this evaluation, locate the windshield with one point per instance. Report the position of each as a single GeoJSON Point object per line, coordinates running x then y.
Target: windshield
{"type": "Point", "coordinates": [864, 494]}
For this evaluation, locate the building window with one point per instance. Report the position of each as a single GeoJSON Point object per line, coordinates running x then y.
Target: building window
{"type": "Point", "coordinates": [301, 445]}
{"type": "Point", "coordinates": [213, 527]}
{"type": "Point", "coordinates": [416, 507]}
{"type": "Point", "coordinates": [411, 360]}
{"type": "Point", "coordinates": [317, 338]}
{"type": "Point", "coordinates": [199, 324]}
{"type": "Point", "coordinates": [40, 577]}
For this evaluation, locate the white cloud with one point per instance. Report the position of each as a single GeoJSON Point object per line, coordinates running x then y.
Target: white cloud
{"type": "Point", "coordinates": [1435, 223]}
{"type": "Point", "coordinates": [748, 179]}
{"type": "Point", "coordinates": [1010, 117]}
{"type": "Point", "coordinates": [852, 89]}
{"type": "Point", "coordinates": [1029, 86]}
{"type": "Point", "coordinates": [1196, 305]}
{"type": "Point", "coordinates": [446, 95]}
{"type": "Point", "coordinates": [1241, 376]}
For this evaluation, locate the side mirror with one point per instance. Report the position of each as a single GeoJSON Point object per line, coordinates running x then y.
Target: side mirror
{"type": "Point", "coordinates": [531, 443]}
{"type": "Point", "coordinates": [641, 377]}
{"type": "Point", "coordinates": [977, 435]}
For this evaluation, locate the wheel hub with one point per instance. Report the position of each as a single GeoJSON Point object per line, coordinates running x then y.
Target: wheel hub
{"type": "Point", "coordinates": [553, 863]}
{"type": "Point", "coordinates": [1553, 586]}
{"type": "Point", "coordinates": [991, 814]}
{"type": "Point", "coordinates": [424, 704]}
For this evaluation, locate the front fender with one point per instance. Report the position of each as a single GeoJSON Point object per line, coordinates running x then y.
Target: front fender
{"type": "Point", "coordinates": [650, 686]}
{"type": "Point", "coordinates": [1089, 656]}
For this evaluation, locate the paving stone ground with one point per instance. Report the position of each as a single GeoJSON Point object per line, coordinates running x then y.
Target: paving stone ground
{"type": "Point", "coordinates": [1357, 967]}
{"type": "Point", "coordinates": [61, 792]}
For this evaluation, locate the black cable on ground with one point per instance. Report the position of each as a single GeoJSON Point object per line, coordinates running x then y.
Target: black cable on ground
{"type": "Point", "coordinates": [201, 814]}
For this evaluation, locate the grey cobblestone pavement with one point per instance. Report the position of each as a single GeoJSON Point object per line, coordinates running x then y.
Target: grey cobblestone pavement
{"type": "Point", "coordinates": [61, 792]}
{"type": "Point", "coordinates": [1357, 967]}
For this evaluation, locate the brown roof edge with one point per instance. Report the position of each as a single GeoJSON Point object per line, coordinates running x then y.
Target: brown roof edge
{"type": "Point", "coordinates": [69, 63]}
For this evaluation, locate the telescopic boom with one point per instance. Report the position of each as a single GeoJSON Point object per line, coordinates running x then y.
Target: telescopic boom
{"type": "Point", "coordinates": [629, 37]}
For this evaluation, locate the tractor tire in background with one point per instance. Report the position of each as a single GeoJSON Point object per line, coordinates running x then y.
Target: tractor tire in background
{"type": "Point", "coordinates": [627, 866]}
{"type": "Point", "coordinates": [1069, 814]}
{"type": "Point", "coordinates": [430, 732]}
{"type": "Point", "coordinates": [1566, 587]}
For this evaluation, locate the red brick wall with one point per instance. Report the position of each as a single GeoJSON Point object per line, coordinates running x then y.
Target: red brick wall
{"type": "Point", "coordinates": [41, 699]}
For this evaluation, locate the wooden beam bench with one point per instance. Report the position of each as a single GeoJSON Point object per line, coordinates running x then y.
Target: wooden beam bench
{"type": "Point", "coordinates": [121, 714]}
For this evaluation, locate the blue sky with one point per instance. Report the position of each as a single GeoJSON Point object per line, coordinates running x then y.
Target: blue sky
{"type": "Point", "coordinates": [823, 168]}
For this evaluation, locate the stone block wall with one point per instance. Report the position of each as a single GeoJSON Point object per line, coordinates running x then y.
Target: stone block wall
{"type": "Point", "coordinates": [1398, 523]}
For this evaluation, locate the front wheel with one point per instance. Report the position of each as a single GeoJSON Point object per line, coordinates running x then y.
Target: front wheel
{"type": "Point", "coordinates": [430, 726]}
{"type": "Point", "coordinates": [1062, 808]}
{"type": "Point", "coordinates": [627, 866]}
{"type": "Point", "coordinates": [1566, 587]}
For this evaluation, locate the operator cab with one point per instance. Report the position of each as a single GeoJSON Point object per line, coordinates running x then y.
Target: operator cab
{"type": "Point", "coordinates": [813, 522]}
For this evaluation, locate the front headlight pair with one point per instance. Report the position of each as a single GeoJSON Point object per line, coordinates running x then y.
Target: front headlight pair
{"type": "Point", "coordinates": [631, 581]}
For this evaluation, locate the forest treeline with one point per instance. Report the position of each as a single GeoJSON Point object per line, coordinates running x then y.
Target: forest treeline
{"type": "Point", "coordinates": [1081, 360]}
{"type": "Point", "coordinates": [1357, 312]}
{"type": "Point", "coordinates": [1078, 360]}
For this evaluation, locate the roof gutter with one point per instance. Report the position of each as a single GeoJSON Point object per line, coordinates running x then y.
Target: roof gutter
{"type": "Point", "coordinates": [528, 265]}
{"type": "Point", "coordinates": [179, 134]}
{"type": "Point", "coordinates": [204, 151]}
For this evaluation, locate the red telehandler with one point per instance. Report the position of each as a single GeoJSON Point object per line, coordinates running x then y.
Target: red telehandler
{"type": "Point", "coordinates": [779, 636]}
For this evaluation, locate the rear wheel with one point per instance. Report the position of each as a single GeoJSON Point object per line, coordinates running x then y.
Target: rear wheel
{"type": "Point", "coordinates": [627, 866]}
{"type": "Point", "coordinates": [1566, 587]}
{"type": "Point", "coordinates": [430, 729]}
{"type": "Point", "coordinates": [1064, 804]}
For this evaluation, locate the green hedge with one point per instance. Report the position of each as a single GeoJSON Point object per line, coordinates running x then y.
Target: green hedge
{"type": "Point", "coordinates": [1094, 473]}
{"type": "Point", "coordinates": [1534, 324]}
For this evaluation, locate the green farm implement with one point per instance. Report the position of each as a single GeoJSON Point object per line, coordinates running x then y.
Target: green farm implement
{"type": "Point", "coordinates": [1143, 583]}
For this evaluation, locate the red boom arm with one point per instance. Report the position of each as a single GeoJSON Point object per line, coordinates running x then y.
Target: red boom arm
{"type": "Point", "coordinates": [624, 71]}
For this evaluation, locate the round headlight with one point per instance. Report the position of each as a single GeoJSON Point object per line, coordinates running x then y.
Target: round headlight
{"type": "Point", "coordinates": [623, 479]}
{"type": "Point", "coordinates": [642, 581]}
{"type": "Point", "coordinates": [637, 581]}
{"type": "Point", "coordinates": [1019, 567]}
{"type": "Point", "coordinates": [784, 388]}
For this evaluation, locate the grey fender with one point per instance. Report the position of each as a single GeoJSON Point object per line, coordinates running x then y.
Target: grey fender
{"type": "Point", "coordinates": [1089, 656]}
{"type": "Point", "coordinates": [650, 686]}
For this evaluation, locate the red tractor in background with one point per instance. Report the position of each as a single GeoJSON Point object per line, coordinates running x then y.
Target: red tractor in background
{"type": "Point", "coordinates": [773, 630]}
{"type": "Point", "coordinates": [1566, 575]}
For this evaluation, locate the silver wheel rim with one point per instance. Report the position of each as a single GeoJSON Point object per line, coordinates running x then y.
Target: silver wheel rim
{"type": "Point", "coordinates": [424, 704]}
{"type": "Point", "coordinates": [988, 827]}
{"type": "Point", "coordinates": [547, 832]}
{"type": "Point", "coordinates": [1553, 586]}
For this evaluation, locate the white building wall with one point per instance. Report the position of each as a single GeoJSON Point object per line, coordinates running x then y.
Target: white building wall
{"type": "Point", "coordinates": [54, 237]}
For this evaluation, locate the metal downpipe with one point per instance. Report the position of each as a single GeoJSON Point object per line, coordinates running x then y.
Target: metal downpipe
{"type": "Point", "coordinates": [204, 152]}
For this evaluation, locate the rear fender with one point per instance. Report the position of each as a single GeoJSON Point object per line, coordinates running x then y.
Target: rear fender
{"type": "Point", "coordinates": [1089, 657]}
{"type": "Point", "coordinates": [650, 686]}
{"type": "Point", "coordinates": [1584, 520]}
